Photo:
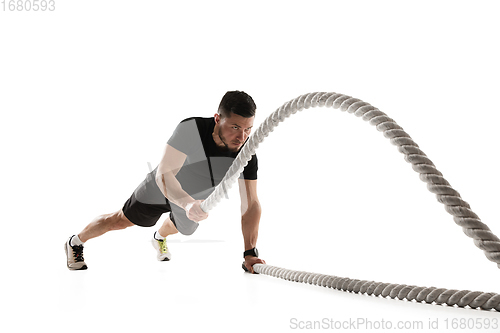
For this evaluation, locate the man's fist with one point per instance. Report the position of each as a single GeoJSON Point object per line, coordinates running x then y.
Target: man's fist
{"type": "Point", "coordinates": [250, 261]}
{"type": "Point", "coordinates": [194, 211]}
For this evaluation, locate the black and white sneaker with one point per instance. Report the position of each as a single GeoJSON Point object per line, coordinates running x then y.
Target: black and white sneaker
{"type": "Point", "coordinates": [74, 255]}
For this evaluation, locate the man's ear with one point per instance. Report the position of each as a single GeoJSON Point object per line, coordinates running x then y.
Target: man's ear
{"type": "Point", "coordinates": [217, 118]}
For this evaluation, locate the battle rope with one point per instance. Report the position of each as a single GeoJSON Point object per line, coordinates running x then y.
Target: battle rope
{"type": "Point", "coordinates": [461, 298]}
{"type": "Point", "coordinates": [462, 214]}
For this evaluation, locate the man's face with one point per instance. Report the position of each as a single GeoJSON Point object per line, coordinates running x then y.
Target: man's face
{"type": "Point", "coordinates": [234, 130]}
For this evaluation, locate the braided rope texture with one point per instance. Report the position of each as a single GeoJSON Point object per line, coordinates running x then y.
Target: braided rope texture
{"type": "Point", "coordinates": [454, 205]}
{"type": "Point", "coordinates": [440, 296]}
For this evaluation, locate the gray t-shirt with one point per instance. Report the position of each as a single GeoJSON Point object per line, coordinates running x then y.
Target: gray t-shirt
{"type": "Point", "coordinates": [205, 165]}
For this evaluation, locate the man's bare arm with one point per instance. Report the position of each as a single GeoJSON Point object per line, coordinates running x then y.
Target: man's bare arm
{"type": "Point", "coordinates": [250, 218]}
{"type": "Point", "coordinates": [169, 166]}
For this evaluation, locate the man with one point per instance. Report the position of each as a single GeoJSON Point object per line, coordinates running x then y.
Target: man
{"type": "Point", "coordinates": [195, 160]}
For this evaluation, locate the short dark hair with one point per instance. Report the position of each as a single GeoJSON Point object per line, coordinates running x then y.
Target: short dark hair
{"type": "Point", "coordinates": [237, 102]}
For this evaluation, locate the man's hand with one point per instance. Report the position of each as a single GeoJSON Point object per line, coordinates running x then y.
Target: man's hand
{"type": "Point", "coordinates": [250, 261]}
{"type": "Point", "coordinates": [194, 211]}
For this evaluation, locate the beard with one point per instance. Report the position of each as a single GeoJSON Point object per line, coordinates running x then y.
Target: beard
{"type": "Point", "coordinates": [226, 148]}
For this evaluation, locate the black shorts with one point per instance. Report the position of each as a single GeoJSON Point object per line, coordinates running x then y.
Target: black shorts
{"type": "Point", "coordinates": [147, 204]}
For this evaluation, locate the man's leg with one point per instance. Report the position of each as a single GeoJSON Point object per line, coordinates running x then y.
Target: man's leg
{"type": "Point", "coordinates": [99, 226]}
{"type": "Point", "coordinates": [104, 223]}
{"type": "Point", "coordinates": [167, 228]}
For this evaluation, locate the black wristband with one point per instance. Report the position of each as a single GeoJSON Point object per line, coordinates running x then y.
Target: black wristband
{"type": "Point", "coordinates": [251, 252]}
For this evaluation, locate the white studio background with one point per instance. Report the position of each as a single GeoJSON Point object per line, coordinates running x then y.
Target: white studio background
{"type": "Point", "coordinates": [90, 93]}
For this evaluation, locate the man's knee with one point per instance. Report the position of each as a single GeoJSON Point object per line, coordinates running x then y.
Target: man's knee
{"type": "Point", "coordinates": [118, 221]}
{"type": "Point", "coordinates": [188, 229]}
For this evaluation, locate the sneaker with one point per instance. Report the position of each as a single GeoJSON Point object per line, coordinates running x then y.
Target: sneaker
{"type": "Point", "coordinates": [162, 252]}
{"type": "Point", "coordinates": [74, 255]}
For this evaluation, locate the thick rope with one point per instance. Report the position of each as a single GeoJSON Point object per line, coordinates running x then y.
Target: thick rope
{"type": "Point", "coordinates": [454, 205]}
{"type": "Point", "coordinates": [451, 297]}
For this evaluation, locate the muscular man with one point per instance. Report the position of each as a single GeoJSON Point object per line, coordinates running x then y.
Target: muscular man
{"type": "Point", "coordinates": [195, 160]}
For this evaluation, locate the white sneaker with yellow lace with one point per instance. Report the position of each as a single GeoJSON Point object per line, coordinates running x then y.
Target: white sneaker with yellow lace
{"type": "Point", "coordinates": [162, 252]}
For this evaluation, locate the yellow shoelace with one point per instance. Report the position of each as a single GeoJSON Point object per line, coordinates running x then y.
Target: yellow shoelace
{"type": "Point", "coordinates": [163, 246]}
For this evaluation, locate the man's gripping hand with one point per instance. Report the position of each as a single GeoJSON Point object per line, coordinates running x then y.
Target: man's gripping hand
{"type": "Point", "coordinates": [194, 211]}
{"type": "Point", "coordinates": [250, 261]}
